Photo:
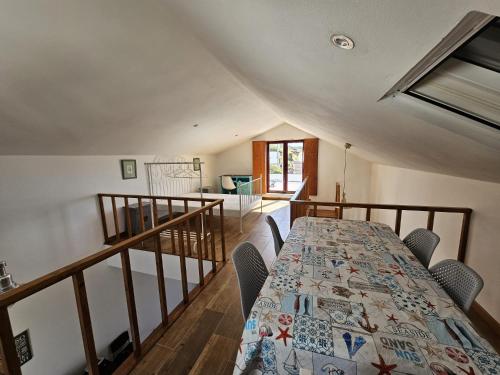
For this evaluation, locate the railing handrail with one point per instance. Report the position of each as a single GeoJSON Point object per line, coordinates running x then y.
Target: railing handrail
{"type": "Point", "coordinates": [403, 207]}
{"type": "Point", "coordinates": [300, 207]}
{"type": "Point", "coordinates": [249, 182]}
{"type": "Point", "coordinates": [45, 281]}
{"type": "Point", "coordinates": [295, 196]}
{"type": "Point", "coordinates": [157, 197]}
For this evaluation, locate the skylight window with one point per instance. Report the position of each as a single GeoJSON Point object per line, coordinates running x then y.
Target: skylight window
{"type": "Point", "coordinates": [468, 80]}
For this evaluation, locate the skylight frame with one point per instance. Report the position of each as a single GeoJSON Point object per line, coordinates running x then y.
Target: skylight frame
{"type": "Point", "coordinates": [449, 106]}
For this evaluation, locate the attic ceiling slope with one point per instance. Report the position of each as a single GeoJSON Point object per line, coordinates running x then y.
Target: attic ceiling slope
{"type": "Point", "coordinates": [281, 50]}
{"type": "Point", "coordinates": [115, 77]}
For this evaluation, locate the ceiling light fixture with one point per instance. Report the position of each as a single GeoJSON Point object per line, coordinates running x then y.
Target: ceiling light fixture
{"type": "Point", "coordinates": [342, 41]}
{"type": "Point", "coordinates": [195, 125]}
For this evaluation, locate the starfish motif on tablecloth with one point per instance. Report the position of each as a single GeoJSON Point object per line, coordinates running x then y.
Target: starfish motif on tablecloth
{"type": "Point", "coordinates": [283, 334]}
{"type": "Point", "coordinates": [432, 351]}
{"type": "Point", "coordinates": [430, 305]}
{"type": "Point", "coordinates": [298, 284]}
{"type": "Point", "coordinates": [363, 294]}
{"type": "Point", "coordinates": [317, 284]}
{"type": "Point", "coordinates": [399, 273]}
{"type": "Point", "coordinates": [383, 368]}
{"type": "Point", "coordinates": [416, 317]}
{"type": "Point", "coordinates": [353, 270]}
{"type": "Point", "coordinates": [268, 317]}
{"type": "Point", "coordinates": [345, 256]}
{"type": "Point", "coordinates": [380, 305]}
{"type": "Point", "coordinates": [392, 318]}
{"type": "Point", "coordinates": [279, 293]}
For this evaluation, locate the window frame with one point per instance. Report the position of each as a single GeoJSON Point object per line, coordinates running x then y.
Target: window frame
{"type": "Point", "coordinates": [285, 165]}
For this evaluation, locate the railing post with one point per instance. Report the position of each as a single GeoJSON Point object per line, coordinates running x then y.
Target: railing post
{"type": "Point", "coordinates": [103, 218]}
{"type": "Point", "coordinates": [204, 228]}
{"type": "Point", "coordinates": [172, 230]}
{"type": "Point", "coordinates": [115, 219]}
{"type": "Point", "coordinates": [464, 235]}
{"type": "Point", "coordinates": [182, 261]}
{"type": "Point", "coordinates": [10, 360]}
{"type": "Point", "coordinates": [341, 212]}
{"type": "Point", "coordinates": [222, 234]}
{"type": "Point", "coordinates": [430, 220]}
{"type": "Point", "coordinates": [188, 232]}
{"type": "Point", "coordinates": [161, 281]}
{"type": "Point", "coordinates": [141, 214]}
{"type": "Point", "coordinates": [397, 228]}
{"type": "Point", "coordinates": [129, 293]}
{"type": "Point", "coordinates": [127, 218]}
{"type": "Point", "coordinates": [199, 250]}
{"type": "Point", "coordinates": [368, 213]}
{"type": "Point", "coordinates": [85, 322]}
{"type": "Point", "coordinates": [212, 237]}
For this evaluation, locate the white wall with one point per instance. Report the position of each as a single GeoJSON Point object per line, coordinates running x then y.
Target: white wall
{"type": "Point", "coordinates": [404, 186]}
{"type": "Point", "coordinates": [238, 160]}
{"type": "Point", "coordinates": [49, 218]}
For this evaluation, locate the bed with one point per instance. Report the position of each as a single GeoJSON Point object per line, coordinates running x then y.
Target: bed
{"type": "Point", "coordinates": [186, 179]}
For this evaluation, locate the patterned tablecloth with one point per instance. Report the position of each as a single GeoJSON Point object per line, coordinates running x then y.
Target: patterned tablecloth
{"type": "Point", "coordinates": [347, 297]}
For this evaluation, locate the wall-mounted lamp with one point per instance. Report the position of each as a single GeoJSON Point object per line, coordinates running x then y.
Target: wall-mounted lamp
{"type": "Point", "coordinates": [6, 281]}
{"type": "Point", "coordinates": [347, 147]}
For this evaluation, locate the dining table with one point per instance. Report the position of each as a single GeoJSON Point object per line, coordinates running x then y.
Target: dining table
{"type": "Point", "coordinates": [348, 297]}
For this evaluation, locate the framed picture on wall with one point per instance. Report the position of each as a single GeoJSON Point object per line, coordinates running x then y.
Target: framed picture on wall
{"type": "Point", "coordinates": [129, 169]}
{"type": "Point", "coordinates": [196, 164]}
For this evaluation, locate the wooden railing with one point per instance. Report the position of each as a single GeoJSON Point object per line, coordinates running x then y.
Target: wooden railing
{"type": "Point", "coordinates": [76, 272]}
{"type": "Point", "coordinates": [150, 206]}
{"type": "Point", "coordinates": [300, 205]}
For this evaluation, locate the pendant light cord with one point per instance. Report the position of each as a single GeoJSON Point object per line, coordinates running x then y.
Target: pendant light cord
{"type": "Point", "coordinates": [345, 167]}
{"type": "Point", "coordinates": [347, 146]}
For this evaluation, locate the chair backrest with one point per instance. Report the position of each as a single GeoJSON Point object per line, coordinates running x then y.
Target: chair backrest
{"type": "Point", "coordinates": [461, 282]}
{"type": "Point", "coordinates": [252, 273]}
{"type": "Point", "coordinates": [227, 183]}
{"type": "Point", "coordinates": [422, 243]}
{"type": "Point", "coordinates": [278, 241]}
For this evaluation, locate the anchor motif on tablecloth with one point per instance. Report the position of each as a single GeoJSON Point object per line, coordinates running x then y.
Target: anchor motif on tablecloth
{"type": "Point", "coordinates": [365, 323]}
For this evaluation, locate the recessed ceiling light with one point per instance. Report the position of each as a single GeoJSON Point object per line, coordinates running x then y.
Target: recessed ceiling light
{"type": "Point", "coordinates": [342, 41]}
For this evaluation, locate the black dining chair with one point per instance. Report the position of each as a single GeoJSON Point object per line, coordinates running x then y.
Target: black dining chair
{"type": "Point", "coordinates": [278, 241]}
{"type": "Point", "coordinates": [252, 273]}
{"type": "Point", "coordinates": [422, 243]}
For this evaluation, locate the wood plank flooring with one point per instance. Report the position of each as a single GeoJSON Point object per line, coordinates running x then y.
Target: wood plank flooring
{"type": "Point", "coordinates": [206, 338]}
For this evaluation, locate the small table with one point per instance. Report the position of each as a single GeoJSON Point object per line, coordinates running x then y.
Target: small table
{"type": "Point", "coordinates": [347, 297]}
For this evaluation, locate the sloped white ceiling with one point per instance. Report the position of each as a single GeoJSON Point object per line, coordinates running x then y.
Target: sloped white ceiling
{"type": "Point", "coordinates": [132, 77]}
{"type": "Point", "coordinates": [281, 50]}
{"type": "Point", "coordinates": [115, 77]}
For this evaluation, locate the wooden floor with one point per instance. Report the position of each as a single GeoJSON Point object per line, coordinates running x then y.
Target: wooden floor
{"type": "Point", "coordinates": [206, 338]}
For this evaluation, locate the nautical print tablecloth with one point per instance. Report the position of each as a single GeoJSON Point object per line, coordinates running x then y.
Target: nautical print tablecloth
{"type": "Point", "coordinates": [347, 297]}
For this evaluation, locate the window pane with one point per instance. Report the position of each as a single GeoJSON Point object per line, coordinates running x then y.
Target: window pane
{"type": "Point", "coordinates": [276, 166]}
{"type": "Point", "coordinates": [295, 162]}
